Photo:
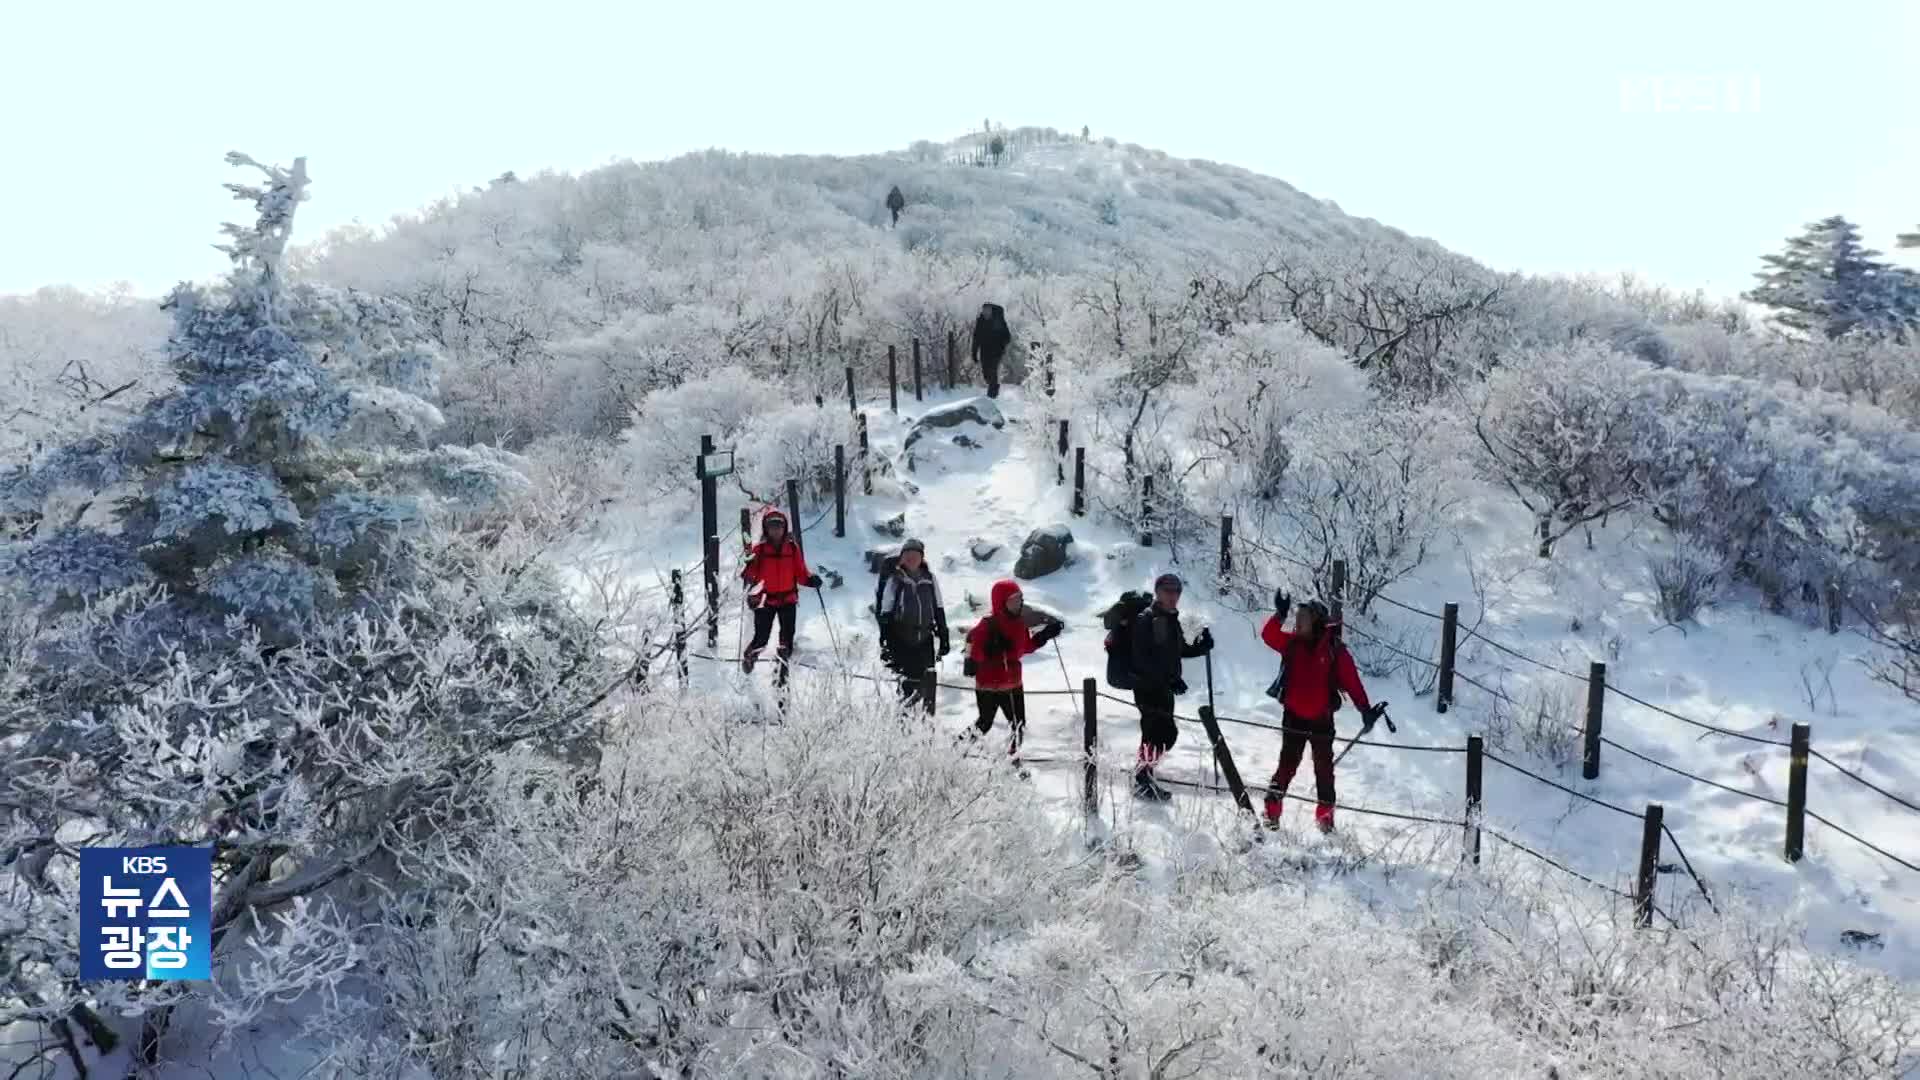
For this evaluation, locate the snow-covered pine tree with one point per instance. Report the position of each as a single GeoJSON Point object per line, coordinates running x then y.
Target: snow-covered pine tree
{"type": "Point", "coordinates": [1827, 282]}
{"type": "Point", "coordinates": [264, 628]}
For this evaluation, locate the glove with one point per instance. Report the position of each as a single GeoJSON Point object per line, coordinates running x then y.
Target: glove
{"type": "Point", "coordinates": [946, 646]}
{"type": "Point", "coordinates": [1281, 602]}
{"type": "Point", "coordinates": [813, 581]}
{"type": "Point", "coordinates": [1048, 632]}
{"type": "Point", "coordinates": [1179, 687]}
{"type": "Point", "coordinates": [1205, 641]}
{"type": "Point", "coordinates": [886, 651]}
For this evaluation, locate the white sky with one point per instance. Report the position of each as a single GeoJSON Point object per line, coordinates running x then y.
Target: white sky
{"type": "Point", "coordinates": [1498, 127]}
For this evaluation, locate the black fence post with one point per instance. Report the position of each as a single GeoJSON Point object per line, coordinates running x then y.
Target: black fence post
{"type": "Point", "coordinates": [1596, 706]}
{"type": "Point", "coordinates": [1090, 745]}
{"type": "Point", "coordinates": [1797, 792]}
{"type": "Point", "coordinates": [710, 541]}
{"type": "Point", "coordinates": [839, 489]}
{"type": "Point", "coordinates": [1475, 749]}
{"type": "Point", "coordinates": [1080, 481]}
{"type": "Point", "coordinates": [680, 626]}
{"type": "Point", "coordinates": [1649, 874]}
{"type": "Point", "coordinates": [1226, 550]}
{"type": "Point", "coordinates": [793, 510]}
{"type": "Point", "coordinates": [1224, 756]}
{"type": "Point", "coordinates": [853, 405]}
{"type": "Point", "coordinates": [919, 393]}
{"type": "Point", "coordinates": [1049, 372]}
{"type": "Point", "coordinates": [1339, 600]}
{"type": "Point", "coordinates": [893, 378]}
{"type": "Point", "coordinates": [1449, 647]}
{"type": "Point", "coordinates": [953, 372]}
{"type": "Point", "coordinates": [866, 459]}
{"type": "Point", "coordinates": [1060, 457]}
{"type": "Point", "coordinates": [1146, 511]}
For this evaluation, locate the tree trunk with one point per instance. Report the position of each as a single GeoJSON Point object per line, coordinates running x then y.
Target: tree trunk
{"type": "Point", "coordinates": [1546, 535]}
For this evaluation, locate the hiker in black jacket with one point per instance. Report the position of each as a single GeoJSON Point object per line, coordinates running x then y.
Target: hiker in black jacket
{"type": "Point", "coordinates": [913, 625]}
{"type": "Point", "coordinates": [991, 336]}
{"type": "Point", "coordinates": [1158, 646]}
{"type": "Point", "coordinates": [896, 202]}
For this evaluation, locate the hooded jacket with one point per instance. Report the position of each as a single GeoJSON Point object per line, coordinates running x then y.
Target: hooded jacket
{"type": "Point", "coordinates": [998, 642]}
{"type": "Point", "coordinates": [911, 610]}
{"type": "Point", "coordinates": [777, 570]}
{"type": "Point", "coordinates": [1314, 668]}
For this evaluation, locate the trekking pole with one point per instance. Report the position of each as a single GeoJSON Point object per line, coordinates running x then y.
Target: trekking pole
{"type": "Point", "coordinates": [831, 636]}
{"type": "Point", "coordinates": [1366, 725]}
{"type": "Point", "coordinates": [1057, 655]}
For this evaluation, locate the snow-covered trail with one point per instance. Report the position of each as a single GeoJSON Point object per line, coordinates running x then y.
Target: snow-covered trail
{"type": "Point", "coordinates": [1006, 488]}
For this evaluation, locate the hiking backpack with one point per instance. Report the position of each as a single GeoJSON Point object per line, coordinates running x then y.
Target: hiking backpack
{"type": "Point", "coordinates": [1118, 620]}
{"type": "Point", "coordinates": [887, 567]}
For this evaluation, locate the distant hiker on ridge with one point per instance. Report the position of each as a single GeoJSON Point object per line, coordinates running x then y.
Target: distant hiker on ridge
{"type": "Point", "coordinates": [913, 621]}
{"type": "Point", "coordinates": [990, 340]}
{"type": "Point", "coordinates": [896, 202]}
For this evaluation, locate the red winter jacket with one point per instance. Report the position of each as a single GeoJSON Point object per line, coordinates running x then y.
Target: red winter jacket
{"type": "Point", "coordinates": [780, 572]}
{"type": "Point", "coordinates": [1002, 670]}
{"type": "Point", "coordinates": [1309, 684]}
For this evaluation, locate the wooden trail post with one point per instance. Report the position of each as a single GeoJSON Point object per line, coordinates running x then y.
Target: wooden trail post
{"type": "Point", "coordinates": [1226, 550]}
{"type": "Point", "coordinates": [893, 378]}
{"type": "Point", "coordinates": [839, 490]}
{"type": "Point", "coordinates": [866, 459]}
{"type": "Point", "coordinates": [1596, 706]}
{"type": "Point", "coordinates": [1797, 792]}
{"type": "Point", "coordinates": [953, 372]}
{"type": "Point", "coordinates": [710, 540]}
{"type": "Point", "coordinates": [1476, 748]}
{"type": "Point", "coordinates": [1449, 646]}
{"type": "Point", "coordinates": [919, 393]}
{"type": "Point", "coordinates": [1060, 464]}
{"type": "Point", "coordinates": [1224, 757]}
{"type": "Point", "coordinates": [1339, 603]}
{"type": "Point", "coordinates": [793, 514]}
{"type": "Point", "coordinates": [1079, 481]}
{"type": "Point", "coordinates": [1649, 874]}
{"type": "Point", "coordinates": [1146, 511]}
{"type": "Point", "coordinates": [1090, 746]}
{"type": "Point", "coordinates": [680, 627]}
{"type": "Point", "coordinates": [853, 406]}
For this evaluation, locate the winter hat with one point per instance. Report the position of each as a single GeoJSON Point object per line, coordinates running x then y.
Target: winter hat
{"type": "Point", "coordinates": [1167, 581]}
{"type": "Point", "coordinates": [913, 545]}
{"type": "Point", "coordinates": [773, 516]}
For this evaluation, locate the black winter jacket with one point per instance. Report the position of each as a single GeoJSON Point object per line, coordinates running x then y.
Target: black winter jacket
{"type": "Point", "coordinates": [1158, 647]}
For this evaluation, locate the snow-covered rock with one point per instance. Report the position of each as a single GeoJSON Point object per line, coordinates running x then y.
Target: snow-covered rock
{"type": "Point", "coordinates": [1046, 550]}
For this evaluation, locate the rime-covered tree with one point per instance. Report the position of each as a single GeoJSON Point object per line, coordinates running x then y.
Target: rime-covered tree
{"type": "Point", "coordinates": [1827, 282]}
{"type": "Point", "coordinates": [252, 618]}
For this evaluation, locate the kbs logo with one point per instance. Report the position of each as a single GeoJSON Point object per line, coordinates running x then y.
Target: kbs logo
{"type": "Point", "coordinates": [1723, 94]}
{"type": "Point", "coordinates": [146, 913]}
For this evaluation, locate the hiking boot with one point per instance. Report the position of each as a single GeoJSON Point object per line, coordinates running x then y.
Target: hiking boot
{"type": "Point", "coordinates": [1145, 789]}
{"type": "Point", "coordinates": [1273, 811]}
{"type": "Point", "coordinates": [1323, 818]}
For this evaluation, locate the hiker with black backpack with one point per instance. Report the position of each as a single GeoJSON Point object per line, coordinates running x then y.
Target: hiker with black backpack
{"type": "Point", "coordinates": [991, 336]}
{"type": "Point", "coordinates": [1315, 668]}
{"type": "Point", "coordinates": [896, 202]}
{"type": "Point", "coordinates": [995, 647]}
{"type": "Point", "coordinates": [1145, 646]}
{"type": "Point", "coordinates": [913, 625]}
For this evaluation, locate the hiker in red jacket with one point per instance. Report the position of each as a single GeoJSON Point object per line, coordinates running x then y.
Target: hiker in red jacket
{"type": "Point", "coordinates": [1314, 668]}
{"type": "Point", "coordinates": [775, 573]}
{"type": "Point", "coordinates": [995, 647]}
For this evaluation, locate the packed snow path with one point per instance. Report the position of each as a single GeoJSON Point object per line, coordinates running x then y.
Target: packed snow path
{"type": "Point", "coordinates": [1005, 487]}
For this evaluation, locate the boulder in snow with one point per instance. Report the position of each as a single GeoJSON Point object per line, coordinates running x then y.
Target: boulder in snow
{"type": "Point", "coordinates": [895, 526]}
{"type": "Point", "coordinates": [1046, 550]}
{"type": "Point", "coordinates": [981, 411]}
{"type": "Point", "coordinates": [982, 550]}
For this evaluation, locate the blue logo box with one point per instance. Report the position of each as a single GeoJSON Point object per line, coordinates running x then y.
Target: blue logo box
{"type": "Point", "coordinates": [146, 913]}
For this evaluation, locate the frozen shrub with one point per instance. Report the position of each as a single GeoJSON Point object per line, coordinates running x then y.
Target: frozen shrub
{"type": "Point", "coordinates": [1685, 579]}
